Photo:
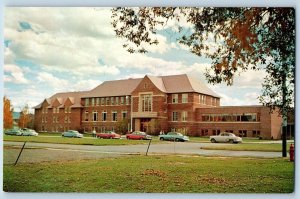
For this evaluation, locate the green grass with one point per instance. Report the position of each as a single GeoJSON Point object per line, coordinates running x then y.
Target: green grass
{"type": "Point", "coordinates": [154, 174]}
{"type": "Point", "coordinates": [275, 147]}
{"type": "Point", "coordinates": [79, 141]}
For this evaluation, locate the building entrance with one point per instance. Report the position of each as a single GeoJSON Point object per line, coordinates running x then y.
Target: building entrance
{"type": "Point", "coordinates": [145, 124]}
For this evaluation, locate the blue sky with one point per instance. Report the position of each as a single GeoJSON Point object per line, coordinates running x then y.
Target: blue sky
{"type": "Point", "coordinates": [49, 50]}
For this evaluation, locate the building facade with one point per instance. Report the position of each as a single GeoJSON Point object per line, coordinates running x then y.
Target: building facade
{"type": "Point", "coordinates": [153, 104]}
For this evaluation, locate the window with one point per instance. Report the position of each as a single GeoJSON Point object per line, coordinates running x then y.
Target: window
{"type": "Point", "coordinates": [93, 101]}
{"type": "Point", "coordinates": [112, 100]}
{"type": "Point", "coordinates": [43, 110]}
{"type": "Point", "coordinates": [45, 119]}
{"type": "Point", "coordinates": [57, 110]}
{"type": "Point", "coordinates": [202, 99]}
{"type": "Point", "coordinates": [124, 115]}
{"type": "Point", "coordinates": [204, 132]}
{"type": "Point", "coordinates": [95, 115]}
{"type": "Point", "coordinates": [69, 119]}
{"type": "Point", "coordinates": [216, 131]}
{"type": "Point", "coordinates": [46, 110]}
{"type": "Point", "coordinates": [205, 118]}
{"type": "Point", "coordinates": [215, 101]}
{"type": "Point", "coordinates": [255, 133]}
{"type": "Point", "coordinates": [184, 116]}
{"type": "Point", "coordinates": [57, 119]}
{"type": "Point", "coordinates": [66, 119]}
{"type": "Point", "coordinates": [174, 116]}
{"type": "Point", "coordinates": [86, 116]}
{"type": "Point", "coordinates": [117, 100]}
{"type": "Point", "coordinates": [122, 100]}
{"type": "Point", "coordinates": [42, 119]}
{"type": "Point", "coordinates": [146, 103]}
{"type": "Point", "coordinates": [174, 98]}
{"type": "Point", "coordinates": [87, 102]}
{"type": "Point", "coordinates": [104, 116]}
{"type": "Point", "coordinates": [66, 109]}
{"type": "Point", "coordinates": [127, 100]}
{"type": "Point", "coordinates": [54, 119]}
{"type": "Point", "coordinates": [54, 110]}
{"type": "Point", "coordinates": [97, 101]}
{"type": "Point", "coordinates": [184, 98]}
{"type": "Point", "coordinates": [70, 109]}
{"type": "Point", "coordinates": [114, 116]}
{"type": "Point", "coordinates": [107, 101]}
{"type": "Point", "coordinates": [248, 117]}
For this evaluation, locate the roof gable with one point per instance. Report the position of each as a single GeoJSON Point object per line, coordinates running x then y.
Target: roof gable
{"type": "Point", "coordinates": [150, 83]}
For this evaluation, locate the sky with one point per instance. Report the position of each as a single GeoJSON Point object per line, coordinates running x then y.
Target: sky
{"type": "Point", "coordinates": [50, 50]}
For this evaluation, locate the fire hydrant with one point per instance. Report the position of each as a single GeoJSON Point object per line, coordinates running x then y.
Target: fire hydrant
{"type": "Point", "coordinates": [292, 152]}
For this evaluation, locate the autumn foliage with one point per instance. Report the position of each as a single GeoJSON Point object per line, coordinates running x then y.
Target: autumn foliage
{"type": "Point", "coordinates": [7, 113]}
{"type": "Point", "coordinates": [24, 117]}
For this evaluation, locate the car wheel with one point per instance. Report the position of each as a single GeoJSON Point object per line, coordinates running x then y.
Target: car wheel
{"type": "Point", "coordinates": [176, 140]}
{"type": "Point", "coordinates": [231, 141]}
{"type": "Point", "coordinates": [213, 140]}
{"type": "Point", "coordinates": [141, 138]}
{"type": "Point", "coordinates": [162, 139]}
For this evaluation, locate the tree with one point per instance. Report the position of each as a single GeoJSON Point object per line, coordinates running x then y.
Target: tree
{"type": "Point", "coordinates": [24, 117]}
{"type": "Point", "coordinates": [7, 113]}
{"type": "Point", "coordinates": [122, 126]}
{"type": "Point", "coordinates": [244, 39]}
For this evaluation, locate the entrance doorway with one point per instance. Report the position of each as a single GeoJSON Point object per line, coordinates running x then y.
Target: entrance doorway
{"type": "Point", "coordinates": [145, 124]}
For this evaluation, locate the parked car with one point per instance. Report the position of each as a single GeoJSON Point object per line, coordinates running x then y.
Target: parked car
{"type": "Point", "coordinates": [108, 135]}
{"type": "Point", "coordinates": [72, 134]}
{"type": "Point", "coordinates": [29, 132]}
{"type": "Point", "coordinates": [138, 135]}
{"type": "Point", "coordinates": [13, 132]}
{"type": "Point", "coordinates": [226, 137]}
{"type": "Point", "coordinates": [174, 136]}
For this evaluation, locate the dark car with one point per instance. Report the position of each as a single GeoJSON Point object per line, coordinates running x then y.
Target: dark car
{"type": "Point", "coordinates": [138, 135]}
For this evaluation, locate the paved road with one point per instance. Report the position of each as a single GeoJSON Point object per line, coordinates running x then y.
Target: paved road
{"type": "Point", "coordinates": [48, 151]}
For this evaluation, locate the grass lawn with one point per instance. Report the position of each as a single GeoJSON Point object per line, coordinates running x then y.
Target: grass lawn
{"type": "Point", "coordinates": [80, 141]}
{"type": "Point", "coordinates": [153, 174]}
{"type": "Point", "coordinates": [275, 147]}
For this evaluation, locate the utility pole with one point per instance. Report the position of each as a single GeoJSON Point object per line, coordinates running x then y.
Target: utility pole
{"type": "Point", "coordinates": [284, 111]}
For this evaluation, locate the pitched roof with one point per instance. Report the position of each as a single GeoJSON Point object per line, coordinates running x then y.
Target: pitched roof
{"type": "Point", "coordinates": [62, 98]}
{"type": "Point", "coordinates": [114, 88]}
{"type": "Point", "coordinates": [185, 83]}
{"type": "Point", "coordinates": [167, 84]}
{"type": "Point", "coordinates": [158, 82]}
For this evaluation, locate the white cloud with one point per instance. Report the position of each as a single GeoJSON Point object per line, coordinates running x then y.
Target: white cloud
{"type": "Point", "coordinates": [52, 81]}
{"type": "Point", "coordinates": [16, 74]}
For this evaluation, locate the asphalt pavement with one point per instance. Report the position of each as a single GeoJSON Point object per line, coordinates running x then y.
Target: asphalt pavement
{"type": "Point", "coordinates": [37, 152]}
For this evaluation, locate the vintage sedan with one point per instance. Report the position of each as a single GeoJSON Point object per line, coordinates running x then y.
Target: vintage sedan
{"type": "Point", "coordinates": [29, 132]}
{"type": "Point", "coordinates": [108, 135]}
{"type": "Point", "coordinates": [138, 135]}
{"type": "Point", "coordinates": [13, 132]}
{"type": "Point", "coordinates": [72, 134]}
{"type": "Point", "coordinates": [226, 137]}
{"type": "Point", "coordinates": [174, 136]}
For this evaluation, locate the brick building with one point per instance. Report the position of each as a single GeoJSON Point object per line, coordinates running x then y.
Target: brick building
{"type": "Point", "coordinates": [153, 104]}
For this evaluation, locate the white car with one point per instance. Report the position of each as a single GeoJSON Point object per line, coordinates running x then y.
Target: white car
{"type": "Point", "coordinates": [226, 137]}
{"type": "Point", "coordinates": [29, 132]}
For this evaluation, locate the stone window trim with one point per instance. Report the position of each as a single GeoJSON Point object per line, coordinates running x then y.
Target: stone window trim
{"type": "Point", "coordinates": [184, 98]}
{"type": "Point", "coordinates": [175, 98]}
